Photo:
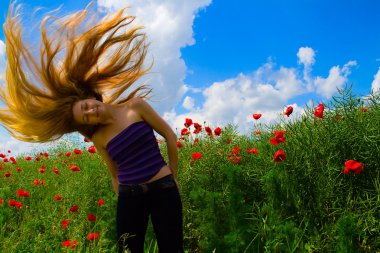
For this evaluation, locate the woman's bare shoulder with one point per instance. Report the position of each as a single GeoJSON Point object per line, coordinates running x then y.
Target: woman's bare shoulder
{"type": "Point", "coordinates": [133, 108]}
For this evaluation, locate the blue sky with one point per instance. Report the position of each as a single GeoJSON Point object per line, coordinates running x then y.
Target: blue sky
{"type": "Point", "coordinates": [220, 61]}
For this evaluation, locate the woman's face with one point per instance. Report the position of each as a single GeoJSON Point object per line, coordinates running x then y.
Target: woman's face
{"type": "Point", "coordinates": [88, 111]}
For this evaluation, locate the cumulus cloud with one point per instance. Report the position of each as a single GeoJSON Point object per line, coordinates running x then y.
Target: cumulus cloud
{"type": "Point", "coordinates": [266, 90]}
{"type": "Point", "coordinates": [188, 103]}
{"type": "Point", "coordinates": [169, 27]}
{"type": "Point", "coordinates": [236, 99]}
{"type": "Point", "coordinates": [306, 56]}
{"type": "Point", "coordinates": [336, 79]}
{"type": "Point", "coordinates": [376, 82]}
{"type": "Point", "coordinates": [17, 147]}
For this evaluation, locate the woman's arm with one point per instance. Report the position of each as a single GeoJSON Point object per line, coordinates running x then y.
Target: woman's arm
{"type": "Point", "coordinates": [112, 168]}
{"type": "Point", "coordinates": [159, 125]}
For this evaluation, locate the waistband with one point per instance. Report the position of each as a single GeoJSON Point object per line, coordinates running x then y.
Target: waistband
{"type": "Point", "coordinates": [136, 189]}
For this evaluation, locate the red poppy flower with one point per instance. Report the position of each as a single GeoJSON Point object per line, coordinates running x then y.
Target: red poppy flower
{"type": "Point", "coordinates": [59, 154]}
{"type": "Point", "coordinates": [235, 151]}
{"type": "Point", "coordinates": [1, 201]}
{"type": "Point", "coordinates": [319, 111]}
{"type": "Point", "coordinates": [217, 131]}
{"type": "Point", "coordinates": [68, 154]}
{"type": "Point", "coordinates": [74, 168]}
{"type": "Point", "coordinates": [78, 151]}
{"type": "Point", "coordinates": [228, 141]}
{"type": "Point", "coordinates": [28, 158]}
{"type": "Point", "coordinates": [279, 137]}
{"type": "Point", "coordinates": [100, 202]}
{"type": "Point", "coordinates": [288, 111]}
{"type": "Point", "coordinates": [196, 156]}
{"type": "Point", "coordinates": [64, 223]}
{"type": "Point", "coordinates": [179, 144]}
{"type": "Point", "coordinates": [197, 127]}
{"type": "Point", "coordinates": [19, 169]}
{"type": "Point", "coordinates": [35, 182]}
{"type": "Point", "coordinates": [74, 208]}
{"type": "Point", "coordinates": [15, 203]}
{"type": "Point", "coordinates": [93, 236]}
{"type": "Point", "coordinates": [188, 122]}
{"type": "Point", "coordinates": [185, 131]}
{"type": "Point", "coordinates": [12, 159]}
{"type": "Point", "coordinates": [2, 155]}
{"type": "Point", "coordinates": [66, 243]}
{"type": "Point", "coordinates": [363, 109]}
{"type": "Point", "coordinates": [91, 217]}
{"type": "Point", "coordinates": [91, 149]}
{"type": "Point", "coordinates": [46, 155]}
{"type": "Point", "coordinates": [235, 158]}
{"type": "Point", "coordinates": [279, 156]}
{"type": "Point", "coordinates": [7, 174]}
{"type": "Point", "coordinates": [22, 193]}
{"type": "Point", "coordinates": [56, 171]}
{"type": "Point", "coordinates": [42, 170]}
{"type": "Point", "coordinates": [6, 160]}
{"type": "Point", "coordinates": [257, 132]}
{"type": "Point", "coordinates": [38, 159]}
{"type": "Point", "coordinates": [353, 167]}
{"type": "Point", "coordinates": [208, 131]}
{"type": "Point", "coordinates": [257, 116]}
{"type": "Point", "coordinates": [42, 181]}
{"type": "Point", "coordinates": [252, 151]}
{"type": "Point", "coordinates": [58, 197]}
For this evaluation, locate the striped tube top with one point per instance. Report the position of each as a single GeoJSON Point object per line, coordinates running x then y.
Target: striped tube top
{"type": "Point", "coordinates": [136, 153]}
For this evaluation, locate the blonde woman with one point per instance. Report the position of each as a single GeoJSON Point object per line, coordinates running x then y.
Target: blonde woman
{"type": "Point", "coordinates": [77, 85]}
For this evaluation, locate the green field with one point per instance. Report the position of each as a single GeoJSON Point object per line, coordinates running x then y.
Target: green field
{"type": "Point", "coordinates": [235, 198]}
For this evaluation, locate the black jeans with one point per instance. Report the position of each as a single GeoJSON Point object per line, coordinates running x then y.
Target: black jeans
{"type": "Point", "coordinates": [159, 199]}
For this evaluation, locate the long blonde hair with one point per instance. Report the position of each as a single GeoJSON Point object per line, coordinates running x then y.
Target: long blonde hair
{"type": "Point", "coordinates": [39, 95]}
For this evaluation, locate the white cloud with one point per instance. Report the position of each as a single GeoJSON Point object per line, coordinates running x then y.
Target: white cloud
{"type": "Point", "coordinates": [169, 27]}
{"type": "Point", "coordinates": [376, 82]}
{"type": "Point", "coordinates": [306, 56]}
{"type": "Point", "coordinates": [236, 99]}
{"type": "Point", "coordinates": [188, 103]}
{"type": "Point", "coordinates": [17, 147]}
{"type": "Point", "coordinates": [267, 90]}
{"type": "Point", "coordinates": [336, 79]}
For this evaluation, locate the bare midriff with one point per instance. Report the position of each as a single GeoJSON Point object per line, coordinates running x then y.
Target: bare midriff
{"type": "Point", "coordinates": [164, 171]}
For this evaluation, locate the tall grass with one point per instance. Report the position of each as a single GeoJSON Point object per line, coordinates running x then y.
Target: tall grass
{"type": "Point", "coordinates": [302, 204]}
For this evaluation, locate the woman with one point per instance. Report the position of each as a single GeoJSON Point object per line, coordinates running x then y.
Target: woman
{"type": "Point", "coordinates": [78, 85]}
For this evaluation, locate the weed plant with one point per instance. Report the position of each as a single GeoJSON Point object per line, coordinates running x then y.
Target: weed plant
{"type": "Point", "coordinates": [233, 200]}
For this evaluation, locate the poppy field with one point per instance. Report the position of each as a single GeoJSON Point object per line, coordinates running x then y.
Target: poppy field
{"type": "Point", "coordinates": [307, 184]}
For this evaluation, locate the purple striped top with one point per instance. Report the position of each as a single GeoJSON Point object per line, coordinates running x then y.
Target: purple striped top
{"type": "Point", "coordinates": [136, 153]}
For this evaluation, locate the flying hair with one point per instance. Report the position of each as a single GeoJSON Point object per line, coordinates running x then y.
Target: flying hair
{"type": "Point", "coordinates": [77, 60]}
